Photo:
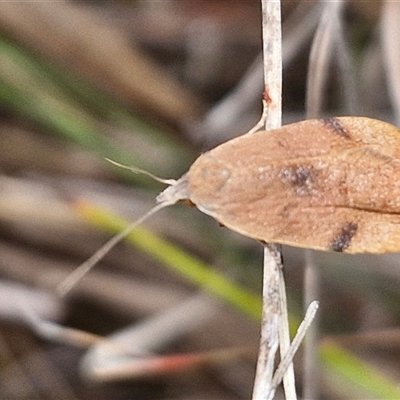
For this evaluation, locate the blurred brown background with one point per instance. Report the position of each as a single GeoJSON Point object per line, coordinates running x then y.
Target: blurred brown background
{"type": "Point", "coordinates": [153, 84]}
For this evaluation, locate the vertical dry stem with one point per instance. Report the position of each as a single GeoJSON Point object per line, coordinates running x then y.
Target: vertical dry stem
{"type": "Point", "coordinates": [390, 34]}
{"type": "Point", "coordinates": [272, 52]}
{"type": "Point", "coordinates": [273, 277]}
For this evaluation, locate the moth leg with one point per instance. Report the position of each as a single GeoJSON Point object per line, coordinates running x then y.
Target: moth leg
{"type": "Point", "coordinates": [261, 123]}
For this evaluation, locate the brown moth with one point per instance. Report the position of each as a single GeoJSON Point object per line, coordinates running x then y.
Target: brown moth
{"type": "Point", "coordinates": [324, 184]}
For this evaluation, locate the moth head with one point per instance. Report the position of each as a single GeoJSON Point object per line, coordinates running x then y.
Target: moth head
{"type": "Point", "coordinates": [177, 191]}
{"type": "Point", "coordinates": [208, 176]}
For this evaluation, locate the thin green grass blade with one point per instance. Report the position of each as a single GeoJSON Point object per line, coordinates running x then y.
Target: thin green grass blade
{"type": "Point", "coordinates": [188, 266]}
{"type": "Point", "coordinates": [356, 373]}
{"type": "Point", "coordinates": [70, 108]}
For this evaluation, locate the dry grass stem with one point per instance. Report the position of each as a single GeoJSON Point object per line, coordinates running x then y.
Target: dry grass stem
{"type": "Point", "coordinates": [390, 33]}
{"type": "Point", "coordinates": [320, 56]}
{"type": "Point", "coordinates": [271, 320]}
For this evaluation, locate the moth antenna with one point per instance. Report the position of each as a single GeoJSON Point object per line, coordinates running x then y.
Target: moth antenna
{"type": "Point", "coordinates": [144, 172]}
{"type": "Point", "coordinates": [72, 279]}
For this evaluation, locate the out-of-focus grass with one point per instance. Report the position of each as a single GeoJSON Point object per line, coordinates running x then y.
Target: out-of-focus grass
{"type": "Point", "coordinates": [354, 373]}
{"type": "Point", "coordinates": [188, 266]}
{"type": "Point", "coordinates": [63, 105]}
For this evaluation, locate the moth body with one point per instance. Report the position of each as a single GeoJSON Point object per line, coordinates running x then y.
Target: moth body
{"type": "Point", "coordinates": [328, 184]}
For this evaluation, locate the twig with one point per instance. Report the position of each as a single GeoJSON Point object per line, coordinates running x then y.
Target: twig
{"type": "Point", "coordinates": [310, 354]}
{"type": "Point", "coordinates": [390, 37]}
{"type": "Point", "coordinates": [320, 56]}
{"type": "Point", "coordinates": [271, 21]}
{"type": "Point", "coordinates": [269, 326]}
{"type": "Point", "coordinates": [272, 56]}
{"type": "Point", "coordinates": [289, 383]}
{"type": "Point", "coordinates": [288, 357]}
{"type": "Point", "coordinates": [231, 115]}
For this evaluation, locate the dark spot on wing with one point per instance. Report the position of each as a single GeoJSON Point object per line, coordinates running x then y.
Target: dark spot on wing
{"type": "Point", "coordinates": [334, 125]}
{"type": "Point", "coordinates": [343, 240]}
